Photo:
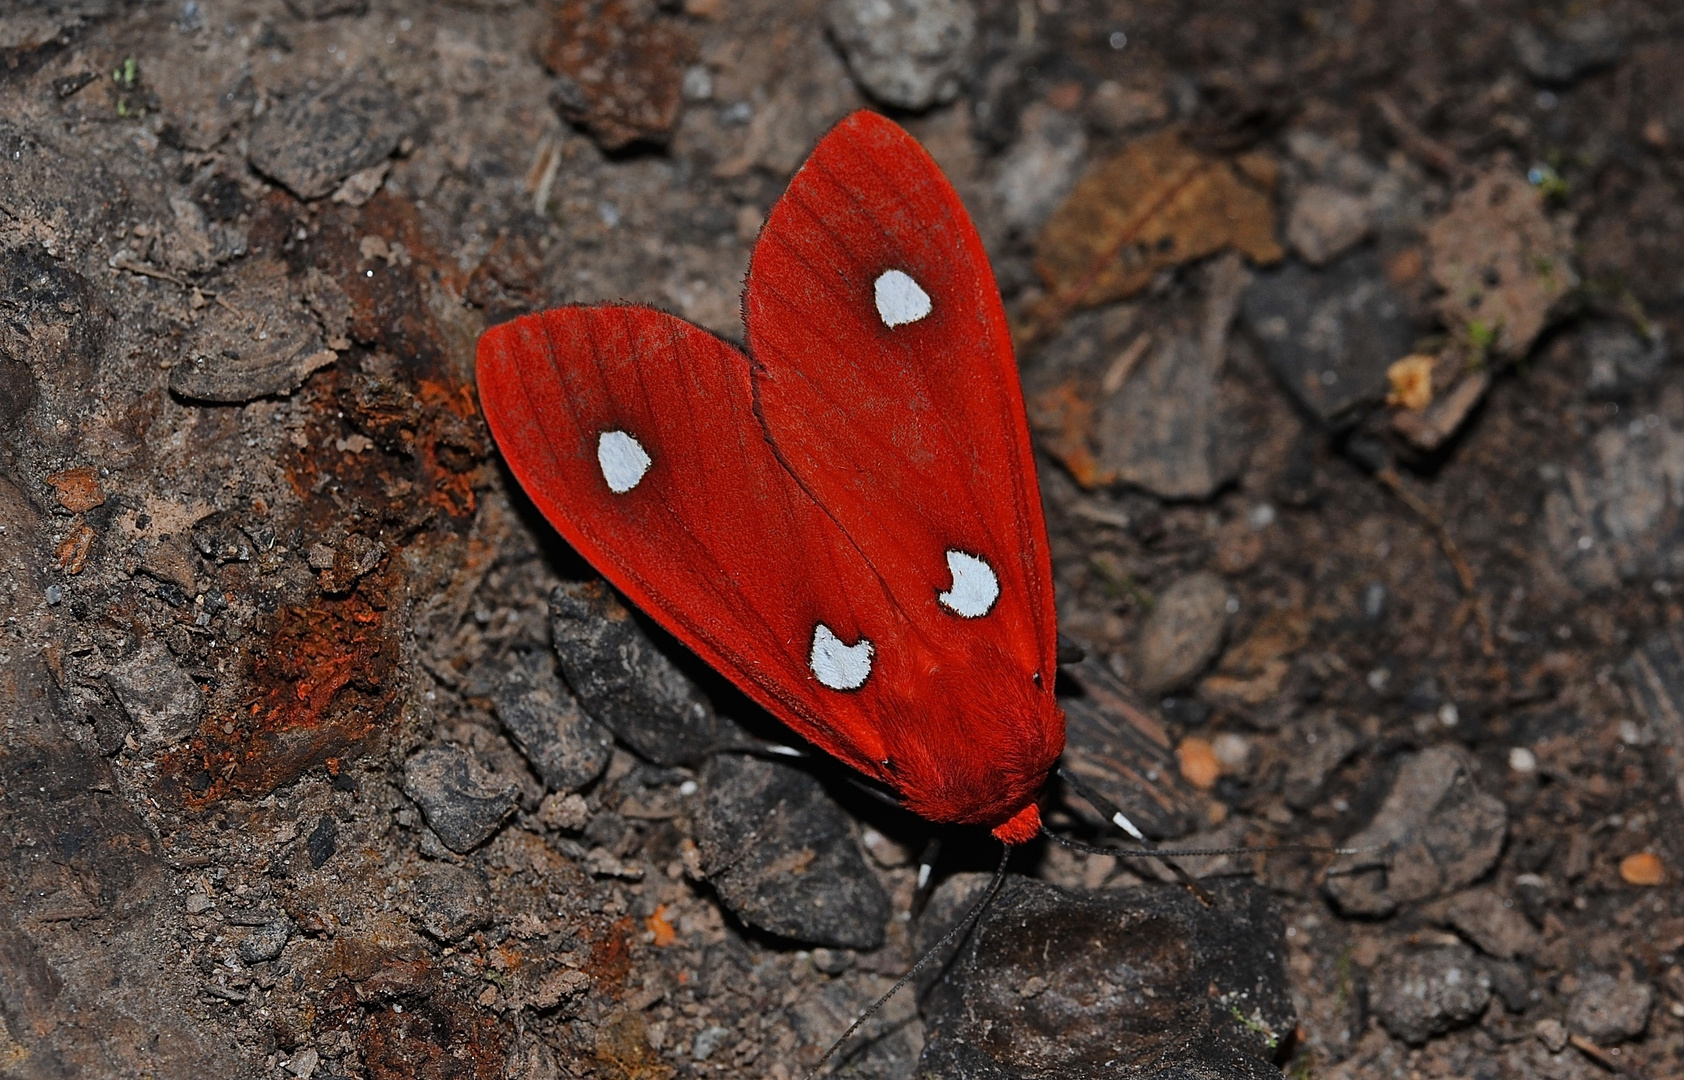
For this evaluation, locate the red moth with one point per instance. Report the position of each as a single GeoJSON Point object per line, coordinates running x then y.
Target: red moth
{"type": "Point", "coordinates": [844, 520]}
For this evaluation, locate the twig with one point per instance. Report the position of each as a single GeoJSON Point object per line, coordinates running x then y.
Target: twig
{"type": "Point", "coordinates": [1122, 367]}
{"type": "Point", "coordinates": [1430, 150]}
{"type": "Point", "coordinates": [1392, 482]}
{"type": "Point", "coordinates": [164, 275]}
{"type": "Point", "coordinates": [1603, 1057]}
{"type": "Point", "coordinates": [152, 272]}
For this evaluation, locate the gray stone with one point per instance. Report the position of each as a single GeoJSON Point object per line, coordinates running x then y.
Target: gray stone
{"type": "Point", "coordinates": [1171, 427]}
{"type": "Point", "coordinates": [452, 901]}
{"type": "Point", "coordinates": [1495, 925]}
{"type": "Point", "coordinates": [1183, 632]}
{"type": "Point", "coordinates": [1620, 361]}
{"type": "Point", "coordinates": [1119, 983]}
{"type": "Point", "coordinates": [323, 843]}
{"type": "Point", "coordinates": [564, 746]}
{"type": "Point", "coordinates": [707, 1041]}
{"type": "Point", "coordinates": [1512, 980]}
{"type": "Point", "coordinates": [1552, 1033]}
{"type": "Point", "coordinates": [1323, 745]}
{"type": "Point", "coordinates": [1560, 54]}
{"type": "Point", "coordinates": [885, 1047]}
{"type": "Point", "coordinates": [1326, 222]}
{"type": "Point", "coordinates": [161, 700]}
{"type": "Point", "coordinates": [230, 359]}
{"type": "Point", "coordinates": [1163, 431]}
{"type": "Point", "coordinates": [265, 942]}
{"type": "Point", "coordinates": [627, 683]}
{"type": "Point", "coordinates": [311, 142]}
{"type": "Point", "coordinates": [1655, 675]}
{"type": "Point", "coordinates": [782, 856]}
{"type": "Point", "coordinates": [1039, 169]}
{"type": "Point", "coordinates": [1435, 832]}
{"type": "Point", "coordinates": [1330, 334]}
{"type": "Point", "coordinates": [1609, 1010]}
{"type": "Point", "coordinates": [1329, 162]}
{"type": "Point", "coordinates": [907, 53]}
{"type": "Point", "coordinates": [463, 802]}
{"type": "Point", "coordinates": [1422, 994]}
{"type": "Point", "coordinates": [1617, 513]}
{"type": "Point", "coordinates": [220, 539]}
{"type": "Point", "coordinates": [1114, 108]}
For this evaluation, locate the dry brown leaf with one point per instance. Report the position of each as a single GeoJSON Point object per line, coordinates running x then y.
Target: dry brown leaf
{"type": "Point", "coordinates": [1253, 671]}
{"type": "Point", "coordinates": [1411, 381]}
{"type": "Point", "coordinates": [1155, 204]}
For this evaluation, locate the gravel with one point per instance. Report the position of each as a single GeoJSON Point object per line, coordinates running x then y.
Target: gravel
{"type": "Point", "coordinates": [312, 141]}
{"type": "Point", "coordinates": [1609, 1010]}
{"type": "Point", "coordinates": [564, 746]}
{"type": "Point", "coordinates": [911, 54]}
{"type": "Point", "coordinates": [452, 901]}
{"type": "Point", "coordinates": [1419, 995]}
{"type": "Point", "coordinates": [464, 803]}
{"type": "Point", "coordinates": [783, 856]}
{"type": "Point", "coordinates": [1436, 831]}
{"type": "Point", "coordinates": [1330, 334]}
{"type": "Point", "coordinates": [1183, 632]}
{"type": "Point", "coordinates": [1102, 984]}
{"type": "Point", "coordinates": [161, 700]}
{"type": "Point", "coordinates": [626, 682]}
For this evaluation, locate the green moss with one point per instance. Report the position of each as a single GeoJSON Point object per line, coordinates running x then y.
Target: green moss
{"type": "Point", "coordinates": [127, 78]}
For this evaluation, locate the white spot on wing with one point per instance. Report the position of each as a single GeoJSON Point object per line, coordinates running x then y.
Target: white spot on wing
{"type": "Point", "coordinates": [900, 300]}
{"type": "Point", "coordinates": [839, 666]}
{"type": "Point", "coordinates": [623, 460]}
{"type": "Point", "coordinates": [975, 588]}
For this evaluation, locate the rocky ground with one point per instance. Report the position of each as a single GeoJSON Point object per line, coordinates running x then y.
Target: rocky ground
{"type": "Point", "coordinates": [1345, 329]}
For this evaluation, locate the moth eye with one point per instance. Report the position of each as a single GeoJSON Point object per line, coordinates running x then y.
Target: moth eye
{"type": "Point", "coordinates": [839, 666]}
{"type": "Point", "coordinates": [900, 300]}
{"type": "Point", "coordinates": [622, 459]}
{"type": "Point", "coordinates": [975, 588]}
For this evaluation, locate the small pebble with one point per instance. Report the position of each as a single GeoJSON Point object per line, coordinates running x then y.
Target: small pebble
{"type": "Point", "coordinates": [707, 1041]}
{"type": "Point", "coordinates": [1419, 995]}
{"type": "Point", "coordinates": [265, 942]}
{"type": "Point", "coordinates": [1199, 763]}
{"type": "Point", "coordinates": [1232, 751]}
{"type": "Point", "coordinates": [1609, 1010]}
{"type": "Point", "coordinates": [55, 594]}
{"type": "Point", "coordinates": [1643, 868]}
{"type": "Point", "coordinates": [1552, 1033]}
{"type": "Point", "coordinates": [1522, 760]}
{"type": "Point", "coordinates": [303, 1064]}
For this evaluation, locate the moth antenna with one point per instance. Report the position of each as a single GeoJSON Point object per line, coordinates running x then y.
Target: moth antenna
{"type": "Point", "coordinates": [926, 874]}
{"type": "Point", "coordinates": [771, 750]}
{"type": "Point", "coordinates": [946, 939]}
{"type": "Point", "coordinates": [1147, 849]}
{"type": "Point", "coordinates": [1175, 853]}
